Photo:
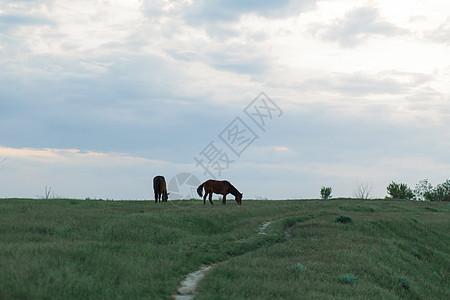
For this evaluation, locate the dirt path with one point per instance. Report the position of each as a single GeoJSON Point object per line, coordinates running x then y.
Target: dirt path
{"type": "Point", "coordinates": [288, 233]}
{"type": "Point", "coordinates": [263, 227]}
{"type": "Point", "coordinates": [186, 289]}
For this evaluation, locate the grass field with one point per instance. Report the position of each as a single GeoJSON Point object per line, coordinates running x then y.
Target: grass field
{"type": "Point", "coordinates": [312, 249]}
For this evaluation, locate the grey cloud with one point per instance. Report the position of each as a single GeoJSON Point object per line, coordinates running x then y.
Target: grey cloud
{"type": "Point", "coordinates": [215, 16]}
{"type": "Point", "coordinates": [440, 34]}
{"type": "Point", "coordinates": [23, 13]}
{"type": "Point", "coordinates": [212, 15]}
{"type": "Point", "coordinates": [227, 11]}
{"type": "Point", "coordinates": [234, 58]}
{"type": "Point", "coordinates": [9, 22]}
{"type": "Point", "coordinates": [138, 104]}
{"type": "Point", "coordinates": [356, 27]}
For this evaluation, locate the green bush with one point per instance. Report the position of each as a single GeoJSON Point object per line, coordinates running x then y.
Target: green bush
{"type": "Point", "coordinates": [442, 191]}
{"type": "Point", "coordinates": [343, 219]}
{"type": "Point", "coordinates": [325, 193]}
{"type": "Point", "coordinates": [349, 279]}
{"type": "Point", "coordinates": [425, 191]}
{"type": "Point", "coordinates": [399, 191]}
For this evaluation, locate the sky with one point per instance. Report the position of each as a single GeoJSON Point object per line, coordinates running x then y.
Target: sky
{"type": "Point", "coordinates": [278, 97]}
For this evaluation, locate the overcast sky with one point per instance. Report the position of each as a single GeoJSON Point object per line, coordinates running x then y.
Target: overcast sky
{"type": "Point", "coordinates": [278, 97]}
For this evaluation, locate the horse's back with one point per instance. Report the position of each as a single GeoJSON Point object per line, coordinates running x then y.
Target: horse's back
{"type": "Point", "coordinates": [159, 183]}
{"type": "Point", "coordinates": [217, 186]}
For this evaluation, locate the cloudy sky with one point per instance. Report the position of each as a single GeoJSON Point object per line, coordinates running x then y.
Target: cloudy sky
{"type": "Point", "coordinates": [279, 97]}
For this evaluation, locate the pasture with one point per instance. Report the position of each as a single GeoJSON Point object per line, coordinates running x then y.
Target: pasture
{"type": "Point", "coordinates": [296, 249]}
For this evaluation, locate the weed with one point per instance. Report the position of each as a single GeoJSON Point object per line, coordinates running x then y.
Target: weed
{"type": "Point", "coordinates": [298, 268]}
{"type": "Point", "coordinates": [416, 254]}
{"type": "Point", "coordinates": [415, 220]}
{"type": "Point", "coordinates": [403, 283]}
{"type": "Point", "coordinates": [349, 279]}
{"type": "Point", "coordinates": [437, 275]}
{"type": "Point", "coordinates": [371, 208]}
{"type": "Point", "coordinates": [433, 209]}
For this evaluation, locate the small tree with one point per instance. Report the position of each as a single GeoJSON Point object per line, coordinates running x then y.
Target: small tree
{"type": "Point", "coordinates": [48, 190]}
{"type": "Point", "coordinates": [423, 191]}
{"type": "Point", "coordinates": [442, 191]}
{"type": "Point", "coordinates": [362, 191]}
{"type": "Point", "coordinates": [325, 193]}
{"type": "Point", "coordinates": [399, 191]}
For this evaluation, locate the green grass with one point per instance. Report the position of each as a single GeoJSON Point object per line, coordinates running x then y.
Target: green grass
{"type": "Point", "coordinates": [89, 249]}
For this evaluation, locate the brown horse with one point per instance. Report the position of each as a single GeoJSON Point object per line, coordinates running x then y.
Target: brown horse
{"type": "Point", "coordinates": [159, 186]}
{"type": "Point", "coordinates": [219, 187]}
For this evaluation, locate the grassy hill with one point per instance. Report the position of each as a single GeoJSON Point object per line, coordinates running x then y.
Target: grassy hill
{"type": "Point", "coordinates": [343, 249]}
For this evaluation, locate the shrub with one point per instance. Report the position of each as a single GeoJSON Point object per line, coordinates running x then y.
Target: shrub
{"type": "Point", "coordinates": [349, 279]}
{"type": "Point", "coordinates": [343, 219]}
{"type": "Point", "coordinates": [442, 191]}
{"type": "Point", "coordinates": [399, 191]}
{"type": "Point", "coordinates": [325, 193]}
{"type": "Point", "coordinates": [425, 191]}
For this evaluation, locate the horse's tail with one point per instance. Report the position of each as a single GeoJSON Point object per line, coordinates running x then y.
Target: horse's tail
{"type": "Point", "coordinates": [200, 190]}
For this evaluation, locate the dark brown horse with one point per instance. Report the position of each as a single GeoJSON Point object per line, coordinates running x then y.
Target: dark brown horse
{"type": "Point", "coordinates": [219, 187]}
{"type": "Point", "coordinates": [159, 186]}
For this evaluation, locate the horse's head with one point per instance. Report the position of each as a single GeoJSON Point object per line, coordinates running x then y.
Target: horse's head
{"type": "Point", "coordinates": [165, 196]}
{"type": "Point", "coordinates": [239, 198]}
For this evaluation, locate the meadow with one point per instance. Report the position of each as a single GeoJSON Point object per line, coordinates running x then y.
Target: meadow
{"type": "Point", "coordinates": [310, 249]}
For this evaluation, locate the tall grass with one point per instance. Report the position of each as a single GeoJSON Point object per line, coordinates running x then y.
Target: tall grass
{"type": "Point", "coordinates": [87, 249]}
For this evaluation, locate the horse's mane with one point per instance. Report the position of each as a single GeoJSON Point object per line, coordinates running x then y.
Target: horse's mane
{"type": "Point", "coordinates": [234, 191]}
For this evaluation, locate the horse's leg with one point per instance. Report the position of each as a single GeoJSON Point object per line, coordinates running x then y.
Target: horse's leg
{"type": "Point", "coordinates": [210, 197]}
{"type": "Point", "coordinates": [224, 199]}
{"type": "Point", "coordinates": [204, 198]}
{"type": "Point", "coordinates": [156, 197]}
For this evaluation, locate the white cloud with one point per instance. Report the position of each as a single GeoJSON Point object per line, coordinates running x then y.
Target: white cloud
{"type": "Point", "coordinates": [79, 174]}
{"type": "Point", "coordinates": [72, 156]}
{"type": "Point", "coordinates": [357, 26]}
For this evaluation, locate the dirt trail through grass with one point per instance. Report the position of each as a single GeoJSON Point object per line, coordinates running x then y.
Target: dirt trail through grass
{"type": "Point", "coordinates": [263, 227]}
{"type": "Point", "coordinates": [187, 288]}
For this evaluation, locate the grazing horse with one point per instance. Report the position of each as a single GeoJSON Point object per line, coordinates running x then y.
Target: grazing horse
{"type": "Point", "coordinates": [159, 186]}
{"type": "Point", "coordinates": [219, 187]}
